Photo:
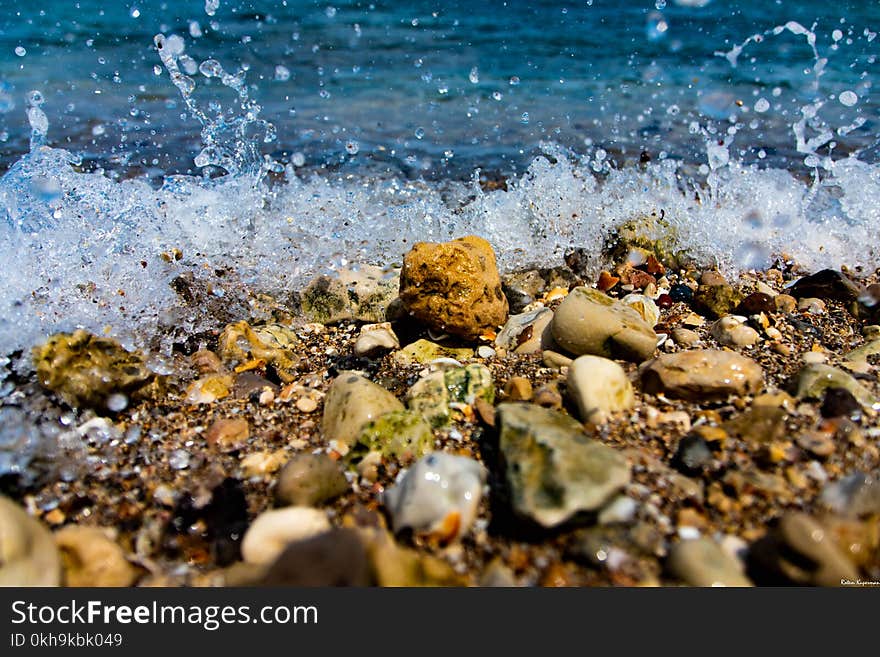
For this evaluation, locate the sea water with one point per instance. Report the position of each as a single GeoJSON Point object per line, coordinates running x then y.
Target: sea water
{"type": "Point", "coordinates": [256, 144]}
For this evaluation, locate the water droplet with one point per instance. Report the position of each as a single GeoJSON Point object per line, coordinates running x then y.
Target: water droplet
{"type": "Point", "coordinates": [474, 76]}
{"type": "Point", "coordinates": [672, 110]}
{"type": "Point", "coordinates": [211, 7]}
{"type": "Point", "coordinates": [657, 26]}
{"type": "Point", "coordinates": [135, 12]}
{"type": "Point", "coordinates": [20, 51]}
{"type": "Point", "coordinates": [420, 132]}
{"type": "Point", "coordinates": [848, 98]}
{"type": "Point", "coordinates": [211, 68]}
{"type": "Point", "coordinates": [297, 159]}
{"type": "Point", "coordinates": [762, 105]}
{"type": "Point", "coordinates": [660, 4]}
{"type": "Point", "coordinates": [497, 95]}
{"type": "Point", "coordinates": [837, 35]}
{"type": "Point", "coordinates": [195, 30]}
{"type": "Point", "coordinates": [352, 148]}
{"type": "Point", "coordinates": [282, 73]}
{"type": "Point", "coordinates": [330, 12]}
{"type": "Point", "coordinates": [98, 130]}
{"type": "Point", "coordinates": [514, 80]}
{"type": "Point", "coordinates": [524, 118]}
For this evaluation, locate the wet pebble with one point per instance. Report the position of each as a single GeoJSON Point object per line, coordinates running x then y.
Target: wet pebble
{"type": "Point", "coordinates": [309, 480]}
{"type": "Point", "coordinates": [28, 554]}
{"type": "Point", "coordinates": [599, 387]}
{"type": "Point", "coordinates": [272, 531]}
{"type": "Point", "coordinates": [701, 374]}
{"type": "Point", "coordinates": [91, 558]}
{"type": "Point", "coordinates": [352, 402]}
{"type": "Point", "coordinates": [438, 495]}
{"type": "Point", "coordinates": [702, 562]}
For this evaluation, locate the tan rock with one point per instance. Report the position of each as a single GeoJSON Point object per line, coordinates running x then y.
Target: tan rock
{"type": "Point", "coordinates": [701, 374]}
{"type": "Point", "coordinates": [28, 555]}
{"type": "Point", "coordinates": [590, 322]}
{"type": "Point", "coordinates": [228, 433]}
{"type": "Point", "coordinates": [272, 531]}
{"type": "Point", "coordinates": [92, 558]}
{"type": "Point", "coordinates": [351, 403]}
{"type": "Point", "coordinates": [454, 286]}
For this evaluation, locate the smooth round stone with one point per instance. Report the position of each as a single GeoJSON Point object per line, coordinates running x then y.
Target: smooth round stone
{"type": "Point", "coordinates": [309, 480]}
{"type": "Point", "coordinates": [527, 333]}
{"type": "Point", "coordinates": [352, 402]}
{"type": "Point", "coordinates": [685, 337]}
{"type": "Point", "coordinates": [702, 562]}
{"type": "Point", "coordinates": [732, 331]}
{"type": "Point", "coordinates": [272, 531]}
{"type": "Point", "coordinates": [590, 322]}
{"type": "Point", "coordinates": [439, 495]}
{"type": "Point", "coordinates": [554, 470]}
{"type": "Point", "coordinates": [701, 374]}
{"type": "Point", "coordinates": [599, 387]}
{"type": "Point", "coordinates": [92, 558]}
{"type": "Point", "coordinates": [28, 554]}
{"type": "Point", "coordinates": [857, 494]}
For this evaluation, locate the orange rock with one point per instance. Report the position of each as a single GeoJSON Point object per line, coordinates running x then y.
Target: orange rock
{"type": "Point", "coordinates": [454, 287]}
{"type": "Point", "coordinates": [607, 281]}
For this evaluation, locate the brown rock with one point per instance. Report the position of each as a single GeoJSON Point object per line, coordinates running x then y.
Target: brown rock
{"type": "Point", "coordinates": [309, 480]}
{"type": "Point", "coordinates": [701, 374]}
{"type": "Point", "coordinates": [454, 286]}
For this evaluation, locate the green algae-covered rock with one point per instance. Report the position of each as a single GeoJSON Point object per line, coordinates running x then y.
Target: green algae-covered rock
{"type": "Point", "coordinates": [432, 395]}
{"type": "Point", "coordinates": [352, 402]}
{"type": "Point", "coordinates": [363, 294]}
{"type": "Point", "coordinates": [85, 370]}
{"type": "Point", "coordinates": [717, 300]}
{"type": "Point", "coordinates": [554, 470]}
{"type": "Point", "coordinates": [399, 435]}
{"type": "Point", "coordinates": [425, 351]}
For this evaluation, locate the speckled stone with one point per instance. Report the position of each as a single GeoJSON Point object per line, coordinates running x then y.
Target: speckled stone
{"type": "Point", "coordinates": [352, 402]}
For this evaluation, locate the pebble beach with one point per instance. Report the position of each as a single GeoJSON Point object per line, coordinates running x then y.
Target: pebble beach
{"type": "Point", "coordinates": [657, 424]}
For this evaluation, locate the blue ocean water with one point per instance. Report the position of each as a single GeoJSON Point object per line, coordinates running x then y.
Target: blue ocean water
{"type": "Point", "coordinates": [435, 89]}
{"type": "Point", "coordinates": [277, 140]}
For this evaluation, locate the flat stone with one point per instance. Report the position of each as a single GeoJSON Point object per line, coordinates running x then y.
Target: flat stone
{"type": "Point", "coordinates": [272, 531]}
{"type": "Point", "coordinates": [685, 337]}
{"type": "Point", "coordinates": [91, 558]}
{"type": "Point", "coordinates": [425, 351]}
{"type": "Point", "coordinates": [590, 322]}
{"type": "Point", "coordinates": [702, 562]}
{"type": "Point", "coordinates": [730, 330]}
{"type": "Point", "coordinates": [861, 354]}
{"type": "Point", "coordinates": [454, 286]}
{"type": "Point", "coordinates": [599, 387]}
{"type": "Point", "coordinates": [352, 402]}
{"type": "Point", "coordinates": [527, 333]}
{"type": "Point", "coordinates": [554, 470]}
{"type": "Point", "coordinates": [309, 480]}
{"type": "Point", "coordinates": [28, 554]}
{"type": "Point", "coordinates": [827, 284]}
{"type": "Point", "coordinates": [439, 495]}
{"type": "Point", "coordinates": [815, 379]}
{"type": "Point", "coordinates": [86, 370]}
{"type": "Point", "coordinates": [228, 434]}
{"type": "Point", "coordinates": [701, 374]}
